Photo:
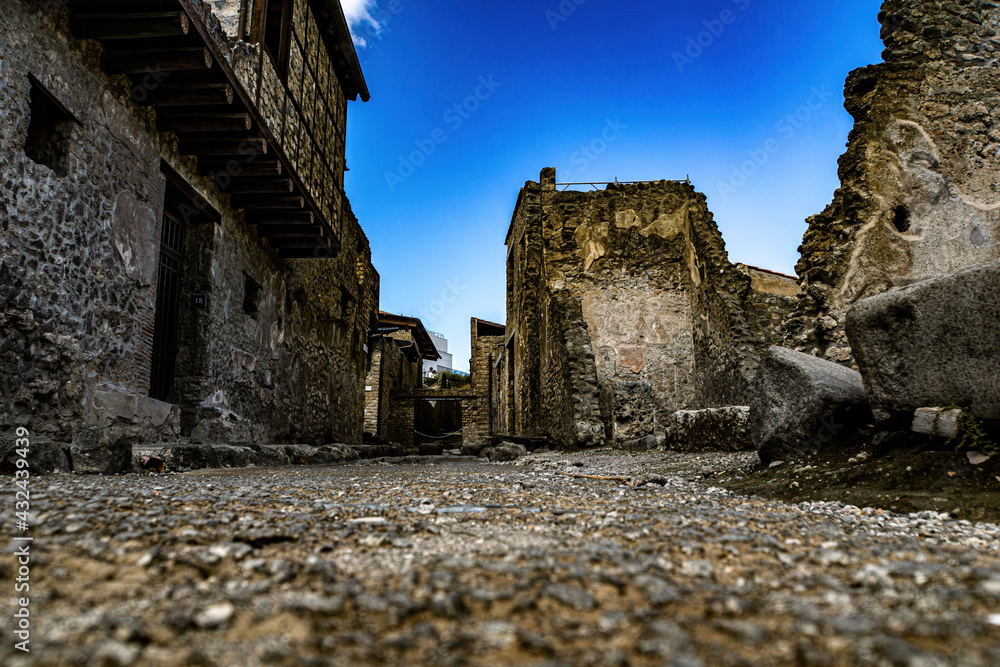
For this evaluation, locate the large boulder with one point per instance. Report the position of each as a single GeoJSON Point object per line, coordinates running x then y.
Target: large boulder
{"type": "Point", "coordinates": [802, 404]}
{"type": "Point", "coordinates": [936, 342]}
{"type": "Point", "coordinates": [715, 429]}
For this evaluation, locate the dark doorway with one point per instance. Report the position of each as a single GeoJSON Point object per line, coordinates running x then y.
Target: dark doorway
{"type": "Point", "coordinates": [438, 421]}
{"type": "Point", "coordinates": [168, 303]}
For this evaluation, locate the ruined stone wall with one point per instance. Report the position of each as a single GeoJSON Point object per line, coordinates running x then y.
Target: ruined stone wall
{"type": "Point", "coordinates": [477, 414]}
{"type": "Point", "coordinates": [388, 375]}
{"type": "Point", "coordinates": [80, 249]}
{"type": "Point", "coordinates": [633, 307]}
{"type": "Point", "coordinates": [920, 183]}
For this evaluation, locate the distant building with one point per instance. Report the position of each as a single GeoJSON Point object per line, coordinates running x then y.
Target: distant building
{"type": "Point", "coordinates": [445, 363]}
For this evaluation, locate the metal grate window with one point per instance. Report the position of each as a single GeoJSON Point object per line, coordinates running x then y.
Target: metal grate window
{"type": "Point", "coordinates": [168, 300]}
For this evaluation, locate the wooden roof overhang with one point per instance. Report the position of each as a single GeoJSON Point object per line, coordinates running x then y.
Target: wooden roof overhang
{"type": "Point", "coordinates": [166, 48]}
{"type": "Point", "coordinates": [389, 323]}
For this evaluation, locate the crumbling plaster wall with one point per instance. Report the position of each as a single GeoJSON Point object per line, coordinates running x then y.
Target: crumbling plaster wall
{"type": "Point", "coordinates": [920, 181]}
{"type": "Point", "coordinates": [624, 307]}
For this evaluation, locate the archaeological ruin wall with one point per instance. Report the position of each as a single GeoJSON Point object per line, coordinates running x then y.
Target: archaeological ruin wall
{"type": "Point", "coordinates": [920, 181]}
{"type": "Point", "coordinates": [270, 348]}
{"type": "Point", "coordinates": [623, 308]}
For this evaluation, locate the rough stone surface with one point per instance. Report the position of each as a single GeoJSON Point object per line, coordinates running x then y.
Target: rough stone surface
{"type": "Point", "coordinates": [920, 181]}
{"type": "Point", "coordinates": [187, 457]}
{"type": "Point", "coordinates": [634, 413]}
{"type": "Point", "coordinates": [44, 456]}
{"type": "Point", "coordinates": [431, 449]}
{"type": "Point", "coordinates": [460, 561]}
{"type": "Point", "coordinates": [802, 404]}
{"type": "Point", "coordinates": [650, 442]}
{"type": "Point", "coordinates": [712, 429]}
{"type": "Point", "coordinates": [506, 451]}
{"type": "Point", "coordinates": [100, 450]}
{"type": "Point", "coordinates": [631, 284]}
{"type": "Point", "coordinates": [933, 343]}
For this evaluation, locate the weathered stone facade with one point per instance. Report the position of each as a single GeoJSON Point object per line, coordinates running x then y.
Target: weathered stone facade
{"type": "Point", "coordinates": [480, 414]}
{"type": "Point", "coordinates": [920, 181]}
{"type": "Point", "coordinates": [270, 348]}
{"type": "Point", "coordinates": [622, 307]}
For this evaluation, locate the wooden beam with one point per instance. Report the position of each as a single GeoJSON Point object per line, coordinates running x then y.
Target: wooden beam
{"type": "Point", "coordinates": [241, 148]}
{"type": "Point", "coordinates": [156, 61]}
{"type": "Point", "coordinates": [290, 231]}
{"type": "Point", "coordinates": [220, 122]}
{"type": "Point", "coordinates": [267, 201]}
{"type": "Point", "coordinates": [129, 26]}
{"type": "Point", "coordinates": [280, 217]}
{"type": "Point", "coordinates": [240, 166]}
{"type": "Point", "coordinates": [240, 185]}
{"type": "Point", "coordinates": [187, 95]}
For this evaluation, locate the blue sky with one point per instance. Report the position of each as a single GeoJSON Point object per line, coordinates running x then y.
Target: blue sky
{"type": "Point", "coordinates": [471, 99]}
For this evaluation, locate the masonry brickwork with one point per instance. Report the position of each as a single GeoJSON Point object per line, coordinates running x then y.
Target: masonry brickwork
{"type": "Point", "coordinates": [920, 181]}
{"type": "Point", "coordinates": [479, 420]}
{"type": "Point", "coordinates": [80, 244]}
{"type": "Point", "coordinates": [622, 308]}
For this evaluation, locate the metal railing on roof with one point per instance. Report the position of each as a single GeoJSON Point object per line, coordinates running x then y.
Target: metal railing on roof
{"type": "Point", "coordinates": [566, 186]}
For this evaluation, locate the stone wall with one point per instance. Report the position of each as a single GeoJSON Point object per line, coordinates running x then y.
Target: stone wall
{"type": "Point", "coordinates": [623, 303]}
{"type": "Point", "coordinates": [478, 419]}
{"type": "Point", "coordinates": [920, 183]}
{"type": "Point", "coordinates": [80, 249]}
{"type": "Point", "coordinates": [391, 374]}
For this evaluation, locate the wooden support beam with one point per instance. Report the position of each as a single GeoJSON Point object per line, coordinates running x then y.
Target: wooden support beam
{"type": "Point", "coordinates": [279, 217]}
{"type": "Point", "coordinates": [267, 202]}
{"type": "Point", "coordinates": [242, 149]}
{"type": "Point", "coordinates": [171, 95]}
{"type": "Point", "coordinates": [130, 26]}
{"type": "Point", "coordinates": [219, 122]}
{"type": "Point", "coordinates": [290, 231]}
{"type": "Point", "coordinates": [239, 166]}
{"type": "Point", "coordinates": [156, 61]}
{"type": "Point", "coordinates": [241, 185]}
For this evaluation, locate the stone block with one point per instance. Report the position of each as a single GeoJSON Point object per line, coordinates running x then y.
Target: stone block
{"type": "Point", "coordinates": [505, 451]}
{"type": "Point", "coordinates": [102, 451]}
{"type": "Point", "coordinates": [472, 450]}
{"type": "Point", "coordinates": [715, 429]}
{"type": "Point", "coordinates": [801, 405]}
{"type": "Point", "coordinates": [44, 456]}
{"type": "Point", "coordinates": [933, 342]}
{"type": "Point", "coordinates": [155, 413]}
{"type": "Point", "coordinates": [634, 411]}
{"type": "Point", "coordinates": [937, 422]}
{"type": "Point", "coordinates": [107, 407]}
{"type": "Point", "coordinates": [649, 443]}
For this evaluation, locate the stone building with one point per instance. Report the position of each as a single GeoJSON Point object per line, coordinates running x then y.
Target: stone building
{"type": "Point", "coordinates": [179, 259]}
{"type": "Point", "coordinates": [623, 308]}
{"type": "Point", "coordinates": [400, 348]}
{"type": "Point", "coordinates": [480, 415]}
{"type": "Point", "coordinates": [920, 181]}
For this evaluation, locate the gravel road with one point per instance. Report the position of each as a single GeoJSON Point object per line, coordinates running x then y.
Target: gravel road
{"type": "Point", "coordinates": [452, 561]}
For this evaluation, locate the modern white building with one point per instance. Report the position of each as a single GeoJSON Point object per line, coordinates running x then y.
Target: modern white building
{"type": "Point", "coordinates": [442, 364]}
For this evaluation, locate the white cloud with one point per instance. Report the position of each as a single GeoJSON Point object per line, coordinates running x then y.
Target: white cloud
{"type": "Point", "coordinates": [359, 15]}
